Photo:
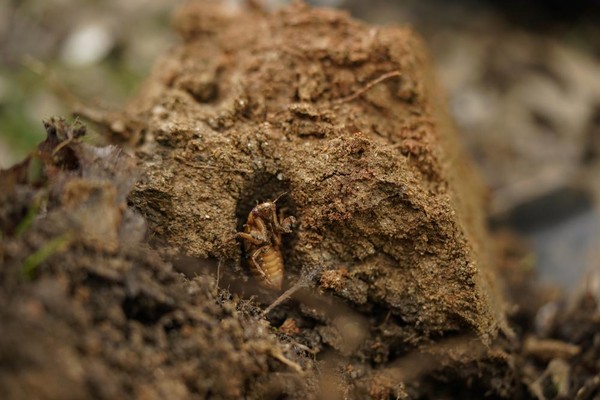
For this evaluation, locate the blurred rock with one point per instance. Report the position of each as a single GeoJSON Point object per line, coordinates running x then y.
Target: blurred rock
{"type": "Point", "coordinates": [87, 45]}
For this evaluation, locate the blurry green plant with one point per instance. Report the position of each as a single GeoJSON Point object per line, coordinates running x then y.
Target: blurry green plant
{"type": "Point", "coordinates": [23, 91]}
{"type": "Point", "coordinates": [18, 130]}
{"type": "Point", "coordinates": [50, 248]}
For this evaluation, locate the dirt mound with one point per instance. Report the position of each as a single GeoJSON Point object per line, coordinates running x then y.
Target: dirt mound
{"type": "Point", "coordinates": [346, 119]}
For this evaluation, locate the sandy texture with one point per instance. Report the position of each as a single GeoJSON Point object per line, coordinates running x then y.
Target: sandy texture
{"type": "Point", "coordinates": [347, 120]}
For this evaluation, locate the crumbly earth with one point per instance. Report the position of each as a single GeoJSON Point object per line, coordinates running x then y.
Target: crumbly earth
{"type": "Point", "coordinates": [121, 277]}
{"type": "Point", "coordinates": [90, 311]}
{"type": "Point", "coordinates": [346, 120]}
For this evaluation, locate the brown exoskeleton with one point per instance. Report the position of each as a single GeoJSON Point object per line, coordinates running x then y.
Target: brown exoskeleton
{"type": "Point", "coordinates": [262, 242]}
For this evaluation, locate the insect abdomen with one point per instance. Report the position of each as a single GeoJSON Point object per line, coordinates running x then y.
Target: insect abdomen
{"type": "Point", "coordinates": [271, 262]}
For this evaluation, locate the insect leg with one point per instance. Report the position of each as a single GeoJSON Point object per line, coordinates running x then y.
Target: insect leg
{"type": "Point", "coordinates": [287, 224]}
{"type": "Point", "coordinates": [283, 224]}
{"type": "Point", "coordinates": [257, 264]}
{"type": "Point", "coordinates": [257, 241]}
{"type": "Point", "coordinates": [263, 232]}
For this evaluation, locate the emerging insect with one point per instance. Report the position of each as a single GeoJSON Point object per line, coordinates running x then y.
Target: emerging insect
{"type": "Point", "coordinates": [262, 242]}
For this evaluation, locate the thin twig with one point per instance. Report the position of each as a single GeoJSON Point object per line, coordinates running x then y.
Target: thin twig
{"type": "Point", "coordinates": [61, 145]}
{"type": "Point", "coordinates": [279, 356]}
{"type": "Point", "coordinates": [218, 273]}
{"type": "Point", "coordinates": [304, 347]}
{"type": "Point", "coordinates": [286, 295]}
{"type": "Point", "coordinates": [368, 87]}
{"type": "Point", "coordinates": [304, 281]}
